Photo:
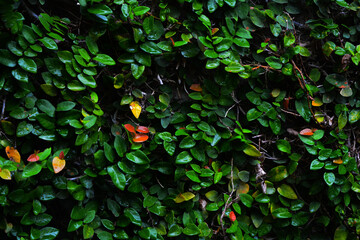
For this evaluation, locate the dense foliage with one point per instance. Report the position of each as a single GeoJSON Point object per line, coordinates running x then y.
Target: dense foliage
{"type": "Point", "coordinates": [187, 119]}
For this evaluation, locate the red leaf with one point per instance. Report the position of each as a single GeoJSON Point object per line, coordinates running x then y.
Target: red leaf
{"type": "Point", "coordinates": [140, 138]}
{"type": "Point", "coordinates": [33, 157]}
{"type": "Point", "coordinates": [196, 87]}
{"type": "Point", "coordinates": [306, 132]}
{"type": "Point", "coordinates": [61, 155]}
{"type": "Point", "coordinates": [232, 216]}
{"type": "Point", "coordinates": [130, 128]}
{"type": "Point", "coordinates": [142, 129]}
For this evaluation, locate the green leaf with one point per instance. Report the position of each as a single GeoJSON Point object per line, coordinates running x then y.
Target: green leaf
{"type": "Point", "coordinates": [234, 67]}
{"type": "Point", "coordinates": [252, 151]}
{"type": "Point", "coordinates": [337, 80]}
{"type": "Point", "coordinates": [87, 80]}
{"type": "Point", "coordinates": [91, 44]}
{"type": "Point", "coordinates": [104, 59]}
{"type": "Point", "coordinates": [274, 62]}
{"type": "Point", "coordinates": [48, 233]}
{"type": "Point", "coordinates": [88, 232]}
{"type": "Point", "coordinates": [283, 146]}
{"type": "Point", "coordinates": [329, 178]}
{"type": "Point", "coordinates": [49, 43]}
{"type": "Point", "coordinates": [257, 17]}
{"type": "Point", "coordinates": [281, 213]}
{"type": "Point", "coordinates": [151, 47]}
{"type": "Point", "coordinates": [246, 199]}
{"type": "Point", "coordinates": [289, 39]}
{"type": "Point", "coordinates": [65, 106]}
{"type": "Point", "coordinates": [120, 146]}
{"type": "Point", "coordinates": [253, 114]}
{"type": "Point", "coordinates": [31, 169]}
{"type": "Point", "coordinates": [316, 165]}
{"type": "Point", "coordinates": [342, 120]}
{"type": "Point", "coordinates": [45, 121]}
{"type": "Point", "coordinates": [89, 121]}
{"type": "Point", "coordinates": [187, 142]}
{"type": "Point", "coordinates": [314, 206]}
{"type": "Point", "coordinates": [109, 153]}
{"type": "Point", "coordinates": [183, 158]}
{"type": "Point", "coordinates": [354, 116]}
{"type": "Point", "coordinates": [138, 157]}
{"type": "Point", "coordinates": [49, 89]}
{"type": "Point", "coordinates": [133, 215]}
{"type": "Point", "coordinates": [7, 59]}
{"type": "Point", "coordinates": [46, 106]}
{"type": "Point", "coordinates": [241, 42]}
{"type": "Point", "coordinates": [191, 230]}
{"type": "Point", "coordinates": [137, 70]}
{"type": "Point", "coordinates": [20, 75]}
{"type": "Point", "coordinates": [278, 173]}
{"type": "Point", "coordinates": [101, 9]}
{"type": "Point", "coordinates": [65, 56]}
{"type": "Point", "coordinates": [193, 176]}
{"type": "Point", "coordinates": [23, 129]}
{"type": "Point", "coordinates": [302, 108]}
{"type": "Point", "coordinates": [341, 233]}
{"type": "Point", "coordinates": [140, 10]}
{"type": "Point", "coordinates": [286, 191]}
{"type": "Point", "coordinates": [117, 177]}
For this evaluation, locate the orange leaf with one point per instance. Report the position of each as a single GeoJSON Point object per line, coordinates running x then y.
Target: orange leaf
{"type": "Point", "coordinates": [243, 188]}
{"type": "Point", "coordinates": [214, 30]}
{"type": "Point", "coordinates": [196, 87]}
{"type": "Point", "coordinates": [140, 138]}
{"type": "Point", "coordinates": [130, 128]}
{"type": "Point", "coordinates": [232, 216]}
{"type": "Point", "coordinates": [135, 108]}
{"type": "Point", "coordinates": [13, 154]}
{"type": "Point", "coordinates": [34, 157]}
{"type": "Point", "coordinates": [142, 129]}
{"type": "Point", "coordinates": [58, 164]}
{"type": "Point", "coordinates": [338, 161]}
{"type": "Point", "coordinates": [306, 132]}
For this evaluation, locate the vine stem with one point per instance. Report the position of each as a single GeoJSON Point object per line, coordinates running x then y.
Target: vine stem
{"type": "Point", "coordinates": [228, 202]}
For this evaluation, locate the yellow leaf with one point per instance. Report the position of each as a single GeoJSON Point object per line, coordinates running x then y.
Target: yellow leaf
{"type": "Point", "coordinates": [181, 197]}
{"type": "Point", "coordinates": [5, 174]}
{"type": "Point", "coordinates": [58, 164]}
{"type": "Point", "coordinates": [135, 108]}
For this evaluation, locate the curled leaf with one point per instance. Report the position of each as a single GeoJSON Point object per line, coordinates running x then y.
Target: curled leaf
{"type": "Point", "coordinates": [306, 132]}
{"type": "Point", "coordinates": [196, 87]}
{"type": "Point", "coordinates": [5, 174]}
{"type": "Point", "coordinates": [142, 129]}
{"type": "Point", "coordinates": [135, 108]}
{"type": "Point", "coordinates": [130, 128]}
{"type": "Point", "coordinates": [13, 154]}
{"type": "Point", "coordinates": [34, 157]}
{"type": "Point", "coordinates": [58, 164]}
{"type": "Point", "coordinates": [140, 138]}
